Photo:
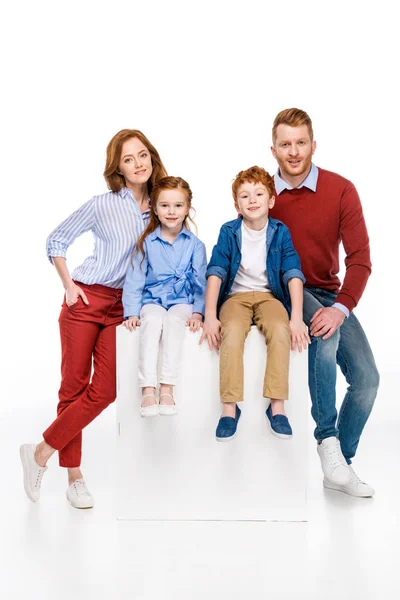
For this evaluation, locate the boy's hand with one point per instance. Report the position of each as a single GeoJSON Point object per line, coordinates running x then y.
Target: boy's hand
{"type": "Point", "coordinates": [211, 331]}
{"type": "Point", "coordinates": [299, 334]}
{"type": "Point", "coordinates": [131, 323]}
{"type": "Point", "coordinates": [195, 322]}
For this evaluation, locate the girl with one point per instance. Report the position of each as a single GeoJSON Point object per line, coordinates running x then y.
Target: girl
{"type": "Point", "coordinates": [92, 306]}
{"type": "Point", "coordinates": [164, 291]}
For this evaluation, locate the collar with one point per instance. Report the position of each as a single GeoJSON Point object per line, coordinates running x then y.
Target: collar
{"type": "Point", "coordinates": [156, 234]}
{"type": "Point", "coordinates": [127, 191]}
{"type": "Point", "coordinates": [310, 181]}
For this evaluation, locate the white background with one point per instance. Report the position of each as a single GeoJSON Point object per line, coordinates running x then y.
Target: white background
{"type": "Point", "coordinates": [203, 81]}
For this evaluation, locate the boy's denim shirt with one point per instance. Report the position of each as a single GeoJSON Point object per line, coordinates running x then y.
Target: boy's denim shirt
{"type": "Point", "coordinates": [283, 262]}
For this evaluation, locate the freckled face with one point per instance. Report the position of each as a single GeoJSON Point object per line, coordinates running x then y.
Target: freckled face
{"type": "Point", "coordinates": [253, 201]}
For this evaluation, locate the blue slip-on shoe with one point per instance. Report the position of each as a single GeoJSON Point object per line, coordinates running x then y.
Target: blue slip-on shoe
{"type": "Point", "coordinates": [279, 425]}
{"type": "Point", "coordinates": [227, 426]}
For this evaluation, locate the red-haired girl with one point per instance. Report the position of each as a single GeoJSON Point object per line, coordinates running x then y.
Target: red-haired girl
{"type": "Point", "coordinates": [164, 291]}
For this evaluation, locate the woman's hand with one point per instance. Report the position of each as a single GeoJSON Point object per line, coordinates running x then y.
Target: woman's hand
{"type": "Point", "coordinates": [195, 322]}
{"type": "Point", "coordinates": [72, 294]}
{"type": "Point", "coordinates": [211, 331]}
{"type": "Point", "coordinates": [131, 323]}
{"type": "Point", "coordinates": [299, 334]}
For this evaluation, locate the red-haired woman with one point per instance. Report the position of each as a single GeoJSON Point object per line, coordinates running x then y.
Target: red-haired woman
{"type": "Point", "coordinates": [164, 291]}
{"type": "Point", "coordinates": [92, 307]}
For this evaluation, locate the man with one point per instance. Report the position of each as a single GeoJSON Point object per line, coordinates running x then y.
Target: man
{"type": "Point", "coordinates": [322, 209]}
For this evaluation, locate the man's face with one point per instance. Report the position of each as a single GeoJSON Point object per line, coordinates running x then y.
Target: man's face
{"type": "Point", "coordinates": [293, 150]}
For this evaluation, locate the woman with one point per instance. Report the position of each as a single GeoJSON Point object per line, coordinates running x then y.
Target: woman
{"type": "Point", "coordinates": [92, 307]}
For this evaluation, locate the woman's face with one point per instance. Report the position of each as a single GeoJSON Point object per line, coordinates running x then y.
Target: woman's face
{"type": "Point", "coordinates": [135, 163]}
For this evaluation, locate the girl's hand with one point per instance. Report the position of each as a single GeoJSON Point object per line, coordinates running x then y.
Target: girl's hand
{"type": "Point", "coordinates": [211, 331]}
{"type": "Point", "coordinates": [299, 334]}
{"type": "Point", "coordinates": [72, 294]}
{"type": "Point", "coordinates": [195, 322]}
{"type": "Point", "coordinates": [131, 323]}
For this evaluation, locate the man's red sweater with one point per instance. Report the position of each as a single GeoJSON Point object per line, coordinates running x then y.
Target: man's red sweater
{"type": "Point", "coordinates": [318, 222]}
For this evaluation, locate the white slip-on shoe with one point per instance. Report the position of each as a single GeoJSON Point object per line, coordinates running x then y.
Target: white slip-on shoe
{"type": "Point", "coordinates": [33, 472]}
{"type": "Point", "coordinates": [151, 410]}
{"type": "Point", "coordinates": [167, 410]}
{"type": "Point", "coordinates": [333, 462]}
{"type": "Point", "coordinates": [79, 496]}
{"type": "Point", "coordinates": [355, 487]}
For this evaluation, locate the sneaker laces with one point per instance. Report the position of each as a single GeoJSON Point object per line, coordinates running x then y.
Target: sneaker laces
{"type": "Point", "coordinates": [39, 477]}
{"type": "Point", "coordinates": [80, 488]}
{"type": "Point", "coordinates": [334, 455]}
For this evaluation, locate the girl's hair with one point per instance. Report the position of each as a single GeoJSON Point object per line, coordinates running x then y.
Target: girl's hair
{"type": "Point", "coordinates": [166, 183]}
{"type": "Point", "coordinates": [116, 181]}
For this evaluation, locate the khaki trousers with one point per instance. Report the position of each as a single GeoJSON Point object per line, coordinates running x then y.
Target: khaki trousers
{"type": "Point", "coordinates": [237, 315]}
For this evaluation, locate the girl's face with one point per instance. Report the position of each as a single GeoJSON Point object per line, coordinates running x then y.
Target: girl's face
{"type": "Point", "coordinates": [172, 208]}
{"type": "Point", "coordinates": [135, 163]}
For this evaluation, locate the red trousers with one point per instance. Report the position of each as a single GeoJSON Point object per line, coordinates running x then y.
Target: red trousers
{"type": "Point", "coordinates": [87, 334]}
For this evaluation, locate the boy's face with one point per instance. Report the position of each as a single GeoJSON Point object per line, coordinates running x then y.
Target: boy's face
{"type": "Point", "coordinates": [253, 203]}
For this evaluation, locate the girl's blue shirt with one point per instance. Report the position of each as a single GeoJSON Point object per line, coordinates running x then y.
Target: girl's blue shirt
{"type": "Point", "coordinates": [169, 274]}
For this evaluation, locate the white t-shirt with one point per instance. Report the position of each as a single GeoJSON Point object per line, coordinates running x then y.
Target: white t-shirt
{"type": "Point", "coordinates": [252, 273]}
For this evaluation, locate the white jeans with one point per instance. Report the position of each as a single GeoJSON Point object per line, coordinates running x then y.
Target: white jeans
{"type": "Point", "coordinates": [161, 330]}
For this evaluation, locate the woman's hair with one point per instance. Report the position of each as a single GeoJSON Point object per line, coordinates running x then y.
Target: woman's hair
{"type": "Point", "coordinates": [253, 175]}
{"type": "Point", "coordinates": [167, 183]}
{"type": "Point", "coordinates": [116, 181]}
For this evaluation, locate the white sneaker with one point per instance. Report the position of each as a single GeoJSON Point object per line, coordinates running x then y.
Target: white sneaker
{"type": "Point", "coordinates": [355, 487]}
{"type": "Point", "coordinates": [33, 472]}
{"type": "Point", "coordinates": [333, 462]}
{"type": "Point", "coordinates": [79, 496]}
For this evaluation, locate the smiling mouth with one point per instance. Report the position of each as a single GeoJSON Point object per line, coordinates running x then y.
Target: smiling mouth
{"type": "Point", "coordinates": [253, 208]}
{"type": "Point", "coordinates": [294, 163]}
{"type": "Point", "coordinates": [140, 172]}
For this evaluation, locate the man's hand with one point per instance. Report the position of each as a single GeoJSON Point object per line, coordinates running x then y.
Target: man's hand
{"type": "Point", "coordinates": [299, 334]}
{"type": "Point", "coordinates": [195, 322]}
{"type": "Point", "coordinates": [211, 331]}
{"type": "Point", "coordinates": [325, 322]}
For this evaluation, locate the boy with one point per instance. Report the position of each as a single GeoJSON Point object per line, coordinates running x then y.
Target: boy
{"type": "Point", "coordinates": [253, 276]}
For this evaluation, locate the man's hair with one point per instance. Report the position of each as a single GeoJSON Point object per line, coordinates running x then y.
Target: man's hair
{"type": "Point", "coordinates": [293, 117]}
{"type": "Point", "coordinates": [253, 175]}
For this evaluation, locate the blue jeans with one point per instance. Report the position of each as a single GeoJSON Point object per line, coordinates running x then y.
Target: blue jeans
{"type": "Point", "coordinates": [349, 348]}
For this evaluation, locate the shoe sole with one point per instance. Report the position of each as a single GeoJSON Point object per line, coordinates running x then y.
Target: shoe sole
{"type": "Point", "coordinates": [25, 468]}
{"type": "Point", "coordinates": [339, 488]}
{"type": "Point", "coordinates": [226, 439]}
{"type": "Point", "coordinates": [78, 507]}
{"type": "Point", "coordinates": [282, 436]}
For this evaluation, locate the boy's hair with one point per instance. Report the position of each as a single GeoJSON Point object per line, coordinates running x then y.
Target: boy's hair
{"type": "Point", "coordinates": [166, 183]}
{"type": "Point", "coordinates": [253, 175]}
{"type": "Point", "coordinates": [293, 117]}
{"type": "Point", "coordinates": [115, 180]}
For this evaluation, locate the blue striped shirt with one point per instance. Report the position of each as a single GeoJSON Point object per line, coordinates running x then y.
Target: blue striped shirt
{"type": "Point", "coordinates": [169, 274]}
{"type": "Point", "coordinates": [116, 223]}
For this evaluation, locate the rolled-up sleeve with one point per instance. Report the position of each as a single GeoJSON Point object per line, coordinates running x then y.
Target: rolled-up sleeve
{"type": "Point", "coordinates": [82, 220]}
{"type": "Point", "coordinates": [219, 264]}
{"type": "Point", "coordinates": [291, 266]}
